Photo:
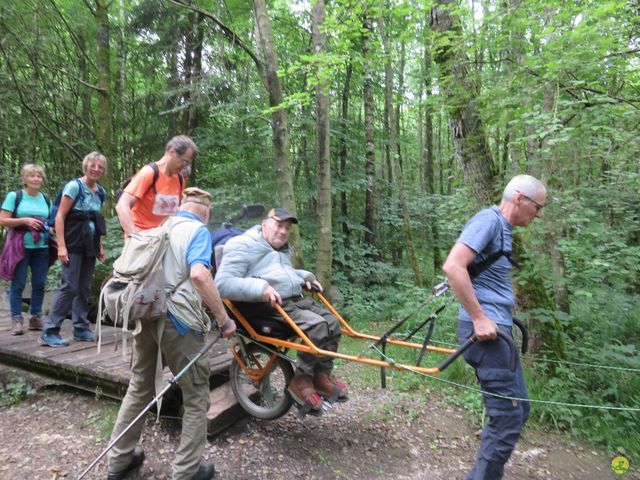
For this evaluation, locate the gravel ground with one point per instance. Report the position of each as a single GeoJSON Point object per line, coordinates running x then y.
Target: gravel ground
{"type": "Point", "coordinates": [378, 434]}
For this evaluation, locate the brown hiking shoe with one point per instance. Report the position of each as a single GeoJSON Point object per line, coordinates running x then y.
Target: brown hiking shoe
{"type": "Point", "coordinates": [302, 391]}
{"type": "Point", "coordinates": [329, 388]}
{"type": "Point", "coordinates": [35, 322]}
{"type": "Point", "coordinates": [17, 323]}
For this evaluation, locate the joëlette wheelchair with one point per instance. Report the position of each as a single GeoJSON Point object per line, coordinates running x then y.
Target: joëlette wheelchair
{"type": "Point", "coordinates": [263, 368]}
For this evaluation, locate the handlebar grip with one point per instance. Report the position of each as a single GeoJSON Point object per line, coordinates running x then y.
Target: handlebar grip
{"type": "Point", "coordinates": [525, 334]}
{"type": "Point", "coordinates": [314, 288]}
{"type": "Point", "coordinates": [471, 340]}
{"type": "Point", "coordinates": [450, 359]}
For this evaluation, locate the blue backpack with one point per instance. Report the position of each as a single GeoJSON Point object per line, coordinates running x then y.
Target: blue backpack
{"type": "Point", "coordinates": [51, 221]}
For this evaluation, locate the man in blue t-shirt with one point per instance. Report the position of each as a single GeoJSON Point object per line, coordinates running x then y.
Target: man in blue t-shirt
{"type": "Point", "coordinates": [179, 337]}
{"type": "Point", "coordinates": [478, 269]}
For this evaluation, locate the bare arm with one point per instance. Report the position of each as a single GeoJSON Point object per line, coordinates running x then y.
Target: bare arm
{"type": "Point", "coordinates": [63, 211]}
{"type": "Point", "coordinates": [31, 223]}
{"type": "Point", "coordinates": [455, 268]}
{"type": "Point", "coordinates": [203, 283]}
{"type": "Point", "coordinates": [125, 216]}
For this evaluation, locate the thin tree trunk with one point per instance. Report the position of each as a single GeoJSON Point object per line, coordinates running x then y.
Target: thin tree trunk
{"type": "Point", "coordinates": [395, 148]}
{"type": "Point", "coordinates": [279, 122]}
{"type": "Point", "coordinates": [104, 126]}
{"type": "Point", "coordinates": [370, 214]}
{"type": "Point", "coordinates": [323, 171]}
{"type": "Point", "coordinates": [346, 231]}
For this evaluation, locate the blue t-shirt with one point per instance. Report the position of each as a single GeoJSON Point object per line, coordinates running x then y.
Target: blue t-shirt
{"type": "Point", "coordinates": [198, 251]}
{"type": "Point", "coordinates": [88, 202]}
{"type": "Point", "coordinates": [29, 206]}
{"type": "Point", "coordinates": [486, 233]}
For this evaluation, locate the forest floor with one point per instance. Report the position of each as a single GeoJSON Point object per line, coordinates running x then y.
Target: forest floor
{"type": "Point", "coordinates": [378, 434]}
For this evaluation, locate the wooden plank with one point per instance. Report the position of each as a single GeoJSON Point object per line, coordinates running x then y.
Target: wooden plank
{"type": "Point", "coordinates": [224, 410]}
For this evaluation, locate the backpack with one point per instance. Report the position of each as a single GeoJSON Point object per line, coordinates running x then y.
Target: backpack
{"type": "Point", "coordinates": [156, 175]}
{"type": "Point", "coordinates": [136, 289]}
{"type": "Point", "coordinates": [19, 194]}
{"type": "Point", "coordinates": [51, 221]}
{"type": "Point", "coordinates": [476, 268]}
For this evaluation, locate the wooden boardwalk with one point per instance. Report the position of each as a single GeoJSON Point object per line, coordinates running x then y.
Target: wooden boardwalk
{"type": "Point", "coordinates": [106, 374]}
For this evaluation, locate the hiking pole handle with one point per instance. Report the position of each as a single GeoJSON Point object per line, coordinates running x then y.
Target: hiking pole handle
{"type": "Point", "coordinates": [173, 381]}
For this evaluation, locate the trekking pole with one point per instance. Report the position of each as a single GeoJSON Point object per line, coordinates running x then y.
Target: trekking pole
{"type": "Point", "coordinates": [172, 381]}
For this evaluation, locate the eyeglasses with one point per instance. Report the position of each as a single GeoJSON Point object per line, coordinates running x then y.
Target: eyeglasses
{"type": "Point", "coordinates": [536, 204]}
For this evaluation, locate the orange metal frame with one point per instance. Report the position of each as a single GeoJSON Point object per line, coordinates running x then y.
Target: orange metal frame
{"type": "Point", "coordinates": [306, 345]}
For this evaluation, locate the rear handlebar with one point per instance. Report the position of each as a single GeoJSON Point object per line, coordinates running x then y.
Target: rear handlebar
{"type": "Point", "coordinates": [471, 340]}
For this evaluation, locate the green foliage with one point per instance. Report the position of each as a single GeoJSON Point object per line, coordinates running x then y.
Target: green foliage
{"type": "Point", "coordinates": [14, 389]}
{"type": "Point", "coordinates": [102, 422]}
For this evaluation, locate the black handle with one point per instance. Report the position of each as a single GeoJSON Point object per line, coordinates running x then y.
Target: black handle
{"type": "Point", "coordinates": [525, 334]}
{"type": "Point", "coordinates": [471, 340]}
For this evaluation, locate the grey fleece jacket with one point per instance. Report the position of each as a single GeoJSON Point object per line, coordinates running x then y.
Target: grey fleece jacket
{"type": "Point", "coordinates": [249, 264]}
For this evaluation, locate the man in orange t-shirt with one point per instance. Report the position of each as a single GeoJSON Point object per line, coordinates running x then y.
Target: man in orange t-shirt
{"type": "Point", "coordinates": [144, 203]}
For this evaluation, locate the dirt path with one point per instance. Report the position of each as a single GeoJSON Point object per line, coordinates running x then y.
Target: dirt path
{"type": "Point", "coordinates": [378, 434]}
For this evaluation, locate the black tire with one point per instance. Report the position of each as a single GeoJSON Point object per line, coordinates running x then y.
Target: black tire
{"type": "Point", "coordinates": [267, 401]}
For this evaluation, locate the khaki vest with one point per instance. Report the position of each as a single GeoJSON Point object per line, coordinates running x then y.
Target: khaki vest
{"type": "Point", "coordinates": [185, 302]}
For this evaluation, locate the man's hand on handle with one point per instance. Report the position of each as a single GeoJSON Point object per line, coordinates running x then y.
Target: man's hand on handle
{"type": "Point", "coordinates": [272, 296]}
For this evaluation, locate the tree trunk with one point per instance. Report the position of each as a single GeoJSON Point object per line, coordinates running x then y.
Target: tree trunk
{"type": "Point", "coordinates": [279, 123]}
{"type": "Point", "coordinates": [429, 165]}
{"type": "Point", "coordinates": [393, 122]}
{"type": "Point", "coordinates": [346, 231]}
{"type": "Point", "coordinates": [104, 125]}
{"type": "Point", "coordinates": [370, 213]}
{"type": "Point", "coordinates": [323, 172]}
{"type": "Point", "coordinates": [465, 122]}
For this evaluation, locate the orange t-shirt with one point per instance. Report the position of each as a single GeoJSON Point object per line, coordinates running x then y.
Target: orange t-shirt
{"type": "Point", "coordinates": [152, 208]}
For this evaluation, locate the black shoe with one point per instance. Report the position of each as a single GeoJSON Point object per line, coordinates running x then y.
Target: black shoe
{"type": "Point", "coordinates": [206, 471]}
{"type": "Point", "coordinates": [136, 461]}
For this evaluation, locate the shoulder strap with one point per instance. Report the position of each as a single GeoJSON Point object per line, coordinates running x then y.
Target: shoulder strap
{"type": "Point", "coordinates": [17, 203]}
{"type": "Point", "coordinates": [476, 269]}
{"type": "Point", "coordinates": [102, 193]}
{"type": "Point", "coordinates": [156, 174]}
{"type": "Point", "coordinates": [80, 193]}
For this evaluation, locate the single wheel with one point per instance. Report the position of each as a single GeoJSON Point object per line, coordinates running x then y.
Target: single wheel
{"type": "Point", "coordinates": [267, 399]}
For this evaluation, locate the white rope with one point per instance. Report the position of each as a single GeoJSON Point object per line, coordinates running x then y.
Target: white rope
{"type": "Point", "coordinates": [547, 402]}
{"type": "Point", "coordinates": [540, 359]}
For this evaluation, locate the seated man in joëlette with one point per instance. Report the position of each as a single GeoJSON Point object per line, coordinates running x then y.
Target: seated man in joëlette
{"type": "Point", "coordinates": [256, 269]}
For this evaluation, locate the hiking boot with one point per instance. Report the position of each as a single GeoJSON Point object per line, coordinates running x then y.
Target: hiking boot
{"type": "Point", "coordinates": [136, 460]}
{"type": "Point", "coordinates": [302, 392]}
{"type": "Point", "coordinates": [329, 388]}
{"type": "Point", "coordinates": [206, 471]}
{"type": "Point", "coordinates": [52, 340]}
{"type": "Point", "coordinates": [35, 322]}
{"type": "Point", "coordinates": [17, 325]}
{"type": "Point", "coordinates": [83, 335]}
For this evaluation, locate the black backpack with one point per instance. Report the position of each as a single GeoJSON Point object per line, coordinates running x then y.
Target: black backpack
{"type": "Point", "coordinates": [156, 175]}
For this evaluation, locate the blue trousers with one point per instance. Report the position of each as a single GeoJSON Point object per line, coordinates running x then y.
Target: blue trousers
{"type": "Point", "coordinates": [506, 417]}
{"type": "Point", "coordinates": [37, 259]}
{"type": "Point", "coordinates": [73, 295]}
